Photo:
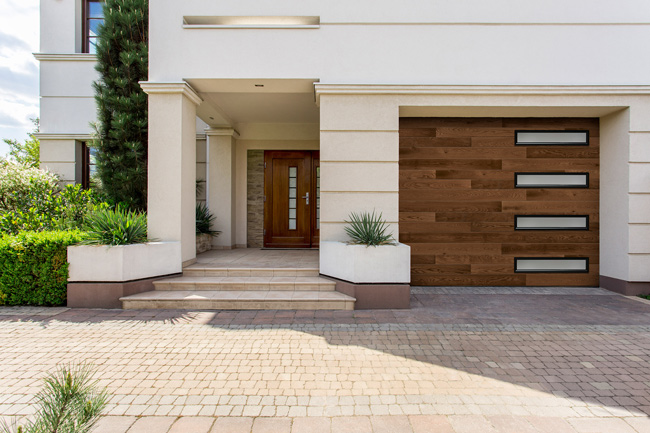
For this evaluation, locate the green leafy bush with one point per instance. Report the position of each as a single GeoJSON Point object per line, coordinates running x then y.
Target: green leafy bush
{"type": "Point", "coordinates": [70, 402]}
{"type": "Point", "coordinates": [115, 227]}
{"type": "Point", "coordinates": [368, 229]}
{"type": "Point", "coordinates": [204, 220]}
{"type": "Point", "coordinates": [31, 200]}
{"type": "Point", "coordinates": [34, 267]}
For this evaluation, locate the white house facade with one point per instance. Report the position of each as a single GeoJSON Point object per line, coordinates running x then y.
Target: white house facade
{"type": "Point", "coordinates": [507, 143]}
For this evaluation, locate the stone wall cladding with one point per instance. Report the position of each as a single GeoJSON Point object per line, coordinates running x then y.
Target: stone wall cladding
{"type": "Point", "coordinates": [255, 199]}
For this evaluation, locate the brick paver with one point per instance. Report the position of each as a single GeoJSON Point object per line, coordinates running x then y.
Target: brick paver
{"type": "Point", "coordinates": [525, 360]}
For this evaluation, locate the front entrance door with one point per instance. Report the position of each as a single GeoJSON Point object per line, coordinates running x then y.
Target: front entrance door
{"type": "Point", "coordinates": [291, 193]}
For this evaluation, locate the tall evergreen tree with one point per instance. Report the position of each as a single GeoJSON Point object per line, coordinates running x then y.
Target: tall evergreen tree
{"type": "Point", "coordinates": [122, 61]}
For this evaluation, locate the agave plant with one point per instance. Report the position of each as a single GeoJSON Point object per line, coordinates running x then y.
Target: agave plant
{"type": "Point", "coordinates": [70, 402]}
{"type": "Point", "coordinates": [115, 227]}
{"type": "Point", "coordinates": [368, 229]}
{"type": "Point", "coordinates": [204, 220]}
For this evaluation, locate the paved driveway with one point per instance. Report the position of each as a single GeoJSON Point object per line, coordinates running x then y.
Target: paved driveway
{"type": "Point", "coordinates": [461, 360]}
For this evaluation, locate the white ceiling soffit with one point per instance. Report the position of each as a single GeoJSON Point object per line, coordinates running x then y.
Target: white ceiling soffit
{"type": "Point", "coordinates": [253, 85]}
{"type": "Point", "coordinates": [233, 101]}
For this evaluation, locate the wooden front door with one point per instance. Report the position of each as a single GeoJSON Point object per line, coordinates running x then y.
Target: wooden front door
{"type": "Point", "coordinates": [291, 192]}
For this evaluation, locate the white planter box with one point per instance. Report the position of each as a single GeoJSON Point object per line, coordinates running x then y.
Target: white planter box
{"type": "Point", "coordinates": [362, 264]}
{"type": "Point", "coordinates": [124, 262]}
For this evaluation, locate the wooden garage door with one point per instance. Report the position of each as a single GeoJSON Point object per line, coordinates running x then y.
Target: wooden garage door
{"type": "Point", "coordinates": [459, 203]}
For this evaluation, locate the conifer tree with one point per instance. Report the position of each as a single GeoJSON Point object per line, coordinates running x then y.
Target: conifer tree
{"type": "Point", "coordinates": [121, 129]}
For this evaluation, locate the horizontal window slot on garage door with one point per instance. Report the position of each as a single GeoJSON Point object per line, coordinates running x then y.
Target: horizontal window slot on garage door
{"type": "Point", "coordinates": [551, 265]}
{"type": "Point", "coordinates": [551, 222]}
{"type": "Point", "coordinates": [552, 180]}
{"type": "Point", "coordinates": [552, 138]}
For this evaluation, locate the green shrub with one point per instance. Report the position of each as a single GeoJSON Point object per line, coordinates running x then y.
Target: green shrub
{"type": "Point", "coordinates": [115, 227]}
{"type": "Point", "coordinates": [368, 229]}
{"type": "Point", "coordinates": [34, 267]}
{"type": "Point", "coordinates": [31, 200]}
{"type": "Point", "coordinates": [204, 220]}
{"type": "Point", "coordinates": [20, 185]}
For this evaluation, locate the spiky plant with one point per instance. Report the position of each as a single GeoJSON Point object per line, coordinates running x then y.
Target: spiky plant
{"type": "Point", "coordinates": [70, 402]}
{"type": "Point", "coordinates": [115, 227]}
{"type": "Point", "coordinates": [367, 228]}
{"type": "Point", "coordinates": [121, 128]}
{"type": "Point", "coordinates": [204, 220]}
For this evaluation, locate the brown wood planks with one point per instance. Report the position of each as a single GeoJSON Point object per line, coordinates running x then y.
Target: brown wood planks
{"type": "Point", "coordinates": [458, 200]}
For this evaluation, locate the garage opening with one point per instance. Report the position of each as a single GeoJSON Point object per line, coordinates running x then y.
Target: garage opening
{"type": "Point", "coordinates": [500, 201]}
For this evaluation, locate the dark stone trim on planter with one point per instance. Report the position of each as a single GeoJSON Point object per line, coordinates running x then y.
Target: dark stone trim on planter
{"type": "Point", "coordinates": [623, 287]}
{"type": "Point", "coordinates": [380, 296]}
{"type": "Point", "coordinates": [107, 294]}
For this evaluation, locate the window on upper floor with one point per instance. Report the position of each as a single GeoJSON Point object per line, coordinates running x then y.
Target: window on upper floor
{"type": "Point", "coordinates": [93, 17]}
{"type": "Point", "coordinates": [88, 165]}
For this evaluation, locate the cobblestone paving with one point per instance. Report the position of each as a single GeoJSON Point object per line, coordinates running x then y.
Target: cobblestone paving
{"type": "Point", "coordinates": [520, 360]}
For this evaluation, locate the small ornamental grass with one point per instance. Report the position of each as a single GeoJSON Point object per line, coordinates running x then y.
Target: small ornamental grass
{"type": "Point", "coordinates": [368, 229]}
{"type": "Point", "coordinates": [204, 220]}
{"type": "Point", "coordinates": [70, 402]}
{"type": "Point", "coordinates": [115, 227]}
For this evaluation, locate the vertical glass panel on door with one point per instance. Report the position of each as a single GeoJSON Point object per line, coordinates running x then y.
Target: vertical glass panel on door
{"type": "Point", "coordinates": [318, 198]}
{"type": "Point", "coordinates": [293, 183]}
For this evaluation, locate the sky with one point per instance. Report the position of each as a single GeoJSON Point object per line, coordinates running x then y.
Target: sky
{"type": "Point", "coordinates": [19, 39]}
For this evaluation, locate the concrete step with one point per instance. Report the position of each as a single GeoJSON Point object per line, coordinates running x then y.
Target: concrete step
{"type": "Point", "coordinates": [239, 300]}
{"type": "Point", "coordinates": [203, 271]}
{"type": "Point", "coordinates": [246, 283]}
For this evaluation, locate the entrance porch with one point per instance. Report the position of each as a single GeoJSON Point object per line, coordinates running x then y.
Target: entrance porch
{"type": "Point", "coordinates": [246, 279]}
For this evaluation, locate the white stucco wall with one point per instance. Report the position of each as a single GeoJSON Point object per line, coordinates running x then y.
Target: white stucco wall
{"type": "Point", "coordinates": [410, 42]}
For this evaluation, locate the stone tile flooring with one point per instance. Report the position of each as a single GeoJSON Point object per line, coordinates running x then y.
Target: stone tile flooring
{"type": "Point", "coordinates": [461, 360]}
{"type": "Point", "coordinates": [257, 258]}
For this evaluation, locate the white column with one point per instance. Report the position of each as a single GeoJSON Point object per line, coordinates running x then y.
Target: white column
{"type": "Point", "coordinates": [221, 184]}
{"type": "Point", "coordinates": [359, 152]}
{"type": "Point", "coordinates": [172, 165]}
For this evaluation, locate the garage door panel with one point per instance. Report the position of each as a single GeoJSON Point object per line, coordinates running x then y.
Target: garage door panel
{"type": "Point", "coordinates": [430, 269]}
{"type": "Point", "coordinates": [548, 164]}
{"type": "Point", "coordinates": [475, 217]}
{"type": "Point", "coordinates": [456, 248]}
{"type": "Point", "coordinates": [429, 140]}
{"type": "Point", "coordinates": [555, 152]}
{"type": "Point", "coordinates": [458, 203]}
{"type": "Point", "coordinates": [474, 174]}
{"type": "Point", "coordinates": [475, 259]}
{"type": "Point", "coordinates": [452, 206]}
{"type": "Point", "coordinates": [493, 184]}
{"type": "Point", "coordinates": [417, 217]}
{"type": "Point", "coordinates": [472, 164]}
{"type": "Point", "coordinates": [439, 227]}
{"type": "Point", "coordinates": [541, 280]}
{"type": "Point", "coordinates": [474, 132]}
{"type": "Point", "coordinates": [461, 194]}
{"type": "Point", "coordinates": [502, 269]}
{"type": "Point", "coordinates": [562, 195]}
{"type": "Point", "coordinates": [549, 208]}
{"type": "Point", "coordinates": [549, 250]}
{"type": "Point", "coordinates": [461, 153]}
{"type": "Point", "coordinates": [438, 122]}
{"type": "Point", "coordinates": [530, 238]}
{"type": "Point", "coordinates": [405, 185]}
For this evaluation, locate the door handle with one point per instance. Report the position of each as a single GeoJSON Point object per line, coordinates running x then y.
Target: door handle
{"type": "Point", "coordinates": [306, 197]}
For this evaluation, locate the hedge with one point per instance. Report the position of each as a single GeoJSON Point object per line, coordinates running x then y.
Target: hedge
{"type": "Point", "coordinates": [34, 267]}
